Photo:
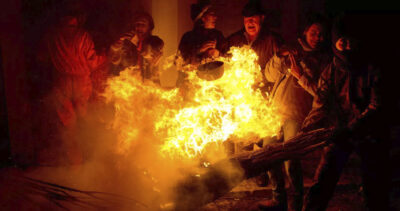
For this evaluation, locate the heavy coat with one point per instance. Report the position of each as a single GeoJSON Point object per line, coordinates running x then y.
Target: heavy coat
{"type": "Point", "coordinates": [192, 41]}
{"type": "Point", "coordinates": [72, 54]}
{"type": "Point", "coordinates": [265, 45]}
{"type": "Point", "coordinates": [293, 97]}
{"type": "Point", "coordinates": [346, 96]}
{"type": "Point", "coordinates": [144, 54]}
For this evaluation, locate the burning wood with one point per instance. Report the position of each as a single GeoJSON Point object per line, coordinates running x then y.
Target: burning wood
{"type": "Point", "coordinates": [222, 177]}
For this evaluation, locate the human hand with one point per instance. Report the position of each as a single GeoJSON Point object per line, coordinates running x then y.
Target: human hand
{"type": "Point", "coordinates": [156, 57]}
{"type": "Point", "coordinates": [207, 45]}
{"type": "Point", "coordinates": [119, 43]}
{"type": "Point", "coordinates": [285, 51]}
{"type": "Point", "coordinates": [213, 53]}
{"type": "Point", "coordinates": [126, 38]}
{"type": "Point", "coordinates": [134, 40]}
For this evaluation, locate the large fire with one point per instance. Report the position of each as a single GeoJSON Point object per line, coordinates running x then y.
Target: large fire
{"type": "Point", "coordinates": [201, 115]}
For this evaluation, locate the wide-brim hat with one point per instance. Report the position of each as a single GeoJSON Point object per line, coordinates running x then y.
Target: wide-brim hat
{"type": "Point", "coordinates": [198, 10]}
{"type": "Point", "coordinates": [253, 8]}
{"type": "Point", "coordinates": [346, 26]}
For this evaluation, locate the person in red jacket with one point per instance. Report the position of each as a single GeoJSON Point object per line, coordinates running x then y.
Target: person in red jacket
{"type": "Point", "coordinates": [69, 50]}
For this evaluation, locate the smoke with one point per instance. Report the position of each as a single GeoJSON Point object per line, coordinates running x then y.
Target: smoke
{"type": "Point", "coordinates": [110, 165]}
{"type": "Point", "coordinates": [162, 147]}
{"type": "Point", "coordinates": [196, 190]}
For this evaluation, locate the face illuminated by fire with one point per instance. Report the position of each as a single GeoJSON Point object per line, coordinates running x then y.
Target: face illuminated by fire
{"type": "Point", "coordinates": [314, 35]}
{"type": "Point", "coordinates": [142, 27]}
{"type": "Point", "coordinates": [209, 20]}
{"type": "Point", "coordinates": [253, 25]}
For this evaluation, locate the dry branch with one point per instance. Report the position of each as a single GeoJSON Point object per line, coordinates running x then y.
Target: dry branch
{"type": "Point", "coordinates": [48, 196]}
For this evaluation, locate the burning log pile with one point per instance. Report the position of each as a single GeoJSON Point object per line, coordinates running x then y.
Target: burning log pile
{"type": "Point", "coordinates": [222, 177]}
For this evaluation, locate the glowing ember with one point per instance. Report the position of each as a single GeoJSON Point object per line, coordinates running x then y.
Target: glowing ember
{"type": "Point", "coordinates": [207, 114]}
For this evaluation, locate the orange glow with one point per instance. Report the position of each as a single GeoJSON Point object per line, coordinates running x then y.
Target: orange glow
{"type": "Point", "coordinates": [211, 112]}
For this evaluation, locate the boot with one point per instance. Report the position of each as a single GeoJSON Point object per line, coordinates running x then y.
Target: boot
{"type": "Point", "coordinates": [295, 202]}
{"type": "Point", "coordinates": [277, 203]}
{"type": "Point", "coordinates": [295, 179]}
{"type": "Point", "coordinates": [277, 182]}
{"type": "Point", "coordinates": [262, 180]}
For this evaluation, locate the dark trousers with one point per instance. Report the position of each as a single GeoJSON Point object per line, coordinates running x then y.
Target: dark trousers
{"type": "Point", "coordinates": [293, 170]}
{"type": "Point", "coordinates": [375, 172]}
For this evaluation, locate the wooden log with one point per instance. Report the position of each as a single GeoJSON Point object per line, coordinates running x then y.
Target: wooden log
{"type": "Point", "coordinates": [221, 177]}
{"type": "Point", "coordinates": [257, 162]}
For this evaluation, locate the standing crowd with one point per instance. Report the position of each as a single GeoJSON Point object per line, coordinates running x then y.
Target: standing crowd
{"type": "Point", "coordinates": [315, 82]}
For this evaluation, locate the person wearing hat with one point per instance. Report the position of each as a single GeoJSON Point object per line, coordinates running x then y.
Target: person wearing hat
{"type": "Point", "coordinates": [264, 42]}
{"type": "Point", "coordinates": [138, 48]}
{"type": "Point", "coordinates": [306, 58]}
{"type": "Point", "coordinates": [204, 41]}
{"type": "Point", "coordinates": [348, 99]}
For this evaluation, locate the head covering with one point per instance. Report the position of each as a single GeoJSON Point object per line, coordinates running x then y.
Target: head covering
{"type": "Point", "coordinates": [146, 16]}
{"type": "Point", "coordinates": [314, 18]}
{"type": "Point", "coordinates": [198, 10]}
{"type": "Point", "coordinates": [69, 9]}
{"type": "Point", "coordinates": [253, 8]}
{"type": "Point", "coordinates": [346, 26]}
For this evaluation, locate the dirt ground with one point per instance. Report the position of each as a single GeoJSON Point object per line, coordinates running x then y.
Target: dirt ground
{"type": "Point", "coordinates": [348, 194]}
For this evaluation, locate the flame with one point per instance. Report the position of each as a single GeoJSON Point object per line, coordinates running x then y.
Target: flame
{"type": "Point", "coordinates": [188, 122]}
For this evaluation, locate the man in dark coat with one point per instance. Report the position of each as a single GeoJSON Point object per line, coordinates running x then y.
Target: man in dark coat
{"type": "Point", "coordinates": [264, 42]}
{"type": "Point", "coordinates": [204, 41]}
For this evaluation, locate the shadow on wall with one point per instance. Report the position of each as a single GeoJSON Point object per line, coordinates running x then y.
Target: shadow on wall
{"type": "Point", "coordinates": [5, 153]}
